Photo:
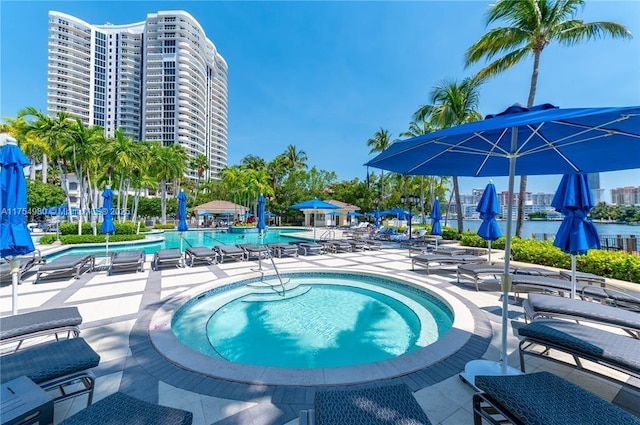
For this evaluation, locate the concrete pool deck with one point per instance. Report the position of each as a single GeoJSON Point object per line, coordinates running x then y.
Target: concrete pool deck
{"type": "Point", "coordinates": [118, 311]}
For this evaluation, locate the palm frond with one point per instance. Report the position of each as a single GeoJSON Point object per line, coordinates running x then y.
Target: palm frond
{"type": "Point", "coordinates": [504, 63]}
{"type": "Point", "coordinates": [497, 41]}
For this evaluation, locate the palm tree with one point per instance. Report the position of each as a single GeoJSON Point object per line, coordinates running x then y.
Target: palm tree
{"type": "Point", "coordinates": [170, 163]}
{"type": "Point", "coordinates": [253, 162]}
{"type": "Point", "coordinates": [531, 26]}
{"type": "Point", "coordinates": [453, 103]}
{"type": "Point", "coordinates": [30, 144]}
{"type": "Point", "coordinates": [295, 159]}
{"type": "Point", "coordinates": [380, 141]}
{"type": "Point", "coordinates": [201, 164]}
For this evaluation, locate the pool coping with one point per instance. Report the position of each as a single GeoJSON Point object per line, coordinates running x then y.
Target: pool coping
{"type": "Point", "coordinates": [168, 346]}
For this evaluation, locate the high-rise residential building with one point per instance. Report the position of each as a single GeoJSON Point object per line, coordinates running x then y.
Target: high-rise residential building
{"type": "Point", "coordinates": [629, 195]}
{"type": "Point", "coordinates": [596, 193]}
{"type": "Point", "coordinates": [159, 80]}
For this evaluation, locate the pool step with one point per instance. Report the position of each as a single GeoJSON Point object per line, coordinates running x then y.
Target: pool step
{"type": "Point", "coordinates": [269, 285]}
{"type": "Point", "coordinates": [290, 292]}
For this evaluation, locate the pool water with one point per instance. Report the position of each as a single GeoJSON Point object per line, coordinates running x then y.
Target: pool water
{"type": "Point", "coordinates": [336, 321]}
{"type": "Point", "coordinates": [207, 238]}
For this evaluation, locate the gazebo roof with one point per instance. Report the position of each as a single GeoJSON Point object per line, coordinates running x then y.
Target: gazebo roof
{"type": "Point", "coordinates": [219, 207]}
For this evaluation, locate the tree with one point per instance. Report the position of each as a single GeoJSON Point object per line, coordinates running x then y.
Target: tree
{"type": "Point", "coordinates": [42, 195]}
{"type": "Point", "coordinates": [170, 163]}
{"type": "Point", "coordinates": [380, 141]}
{"type": "Point", "coordinates": [295, 159]}
{"type": "Point", "coordinates": [531, 26]}
{"type": "Point", "coordinates": [452, 104]}
{"type": "Point", "coordinates": [200, 164]}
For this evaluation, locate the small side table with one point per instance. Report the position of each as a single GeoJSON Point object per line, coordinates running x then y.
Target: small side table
{"type": "Point", "coordinates": [25, 403]}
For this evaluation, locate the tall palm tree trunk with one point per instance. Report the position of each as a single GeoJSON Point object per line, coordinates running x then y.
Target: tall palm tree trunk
{"type": "Point", "coordinates": [45, 164]}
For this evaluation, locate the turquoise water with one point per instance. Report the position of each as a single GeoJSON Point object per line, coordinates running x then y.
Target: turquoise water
{"type": "Point", "coordinates": [208, 238]}
{"type": "Point", "coordinates": [340, 321]}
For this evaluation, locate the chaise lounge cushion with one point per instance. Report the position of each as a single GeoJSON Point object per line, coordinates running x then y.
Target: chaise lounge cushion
{"type": "Point", "coordinates": [393, 404]}
{"type": "Point", "coordinates": [66, 262]}
{"type": "Point", "coordinates": [545, 399]}
{"type": "Point", "coordinates": [119, 408]}
{"type": "Point", "coordinates": [51, 360]}
{"type": "Point", "coordinates": [38, 321]}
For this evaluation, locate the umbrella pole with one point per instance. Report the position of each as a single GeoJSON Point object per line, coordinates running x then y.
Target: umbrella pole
{"type": "Point", "coordinates": [180, 241]}
{"type": "Point", "coordinates": [573, 276]}
{"type": "Point", "coordinates": [14, 265]}
{"type": "Point", "coordinates": [106, 260]}
{"type": "Point", "coordinates": [489, 242]}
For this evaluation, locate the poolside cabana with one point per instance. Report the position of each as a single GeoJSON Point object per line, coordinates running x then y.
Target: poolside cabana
{"type": "Point", "coordinates": [339, 217]}
{"type": "Point", "coordinates": [221, 207]}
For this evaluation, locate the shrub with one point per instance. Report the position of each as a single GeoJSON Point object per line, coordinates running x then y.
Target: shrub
{"type": "Point", "coordinates": [47, 239]}
{"type": "Point", "coordinates": [450, 233]}
{"type": "Point", "coordinates": [76, 239]}
{"type": "Point", "coordinates": [164, 226]}
{"type": "Point", "coordinates": [126, 228]}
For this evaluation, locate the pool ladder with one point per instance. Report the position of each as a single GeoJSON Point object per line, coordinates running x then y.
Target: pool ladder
{"type": "Point", "coordinates": [273, 263]}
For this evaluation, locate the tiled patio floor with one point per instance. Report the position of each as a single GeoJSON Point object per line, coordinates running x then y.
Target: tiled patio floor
{"type": "Point", "coordinates": [117, 311]}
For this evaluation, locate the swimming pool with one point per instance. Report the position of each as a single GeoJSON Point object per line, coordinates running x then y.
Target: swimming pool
{"type": "Point", "coordinates": [171, 239]}
{"type": "Point", "coordinates": [332, 327]}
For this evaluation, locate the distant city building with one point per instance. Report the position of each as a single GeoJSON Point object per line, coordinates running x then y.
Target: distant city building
{"type": "Point", "coordinates": [159, 80]}
{"type": "Point", "coordinates": [596, 192]}
{"type": "Point", "coordinates": [629, 195]}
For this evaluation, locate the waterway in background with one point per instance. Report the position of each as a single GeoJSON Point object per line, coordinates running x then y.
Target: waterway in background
{"type": "Point", "coordinates": [550, 227]}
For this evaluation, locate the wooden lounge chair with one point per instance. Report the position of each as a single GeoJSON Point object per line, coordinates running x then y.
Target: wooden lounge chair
{"type": "Point", "coordinates": [392, 404]}
{"type": "Point", "coordinates": [542, 398]}
{"type": "Point", "coordinates": [163, 257]}
{"type": "Point", "coordinates": [229, 251]}
{"type": "Point", "coordinates": [21, 327]}
{"type": "Point", "coordinates": [254, 251]}
{"type": "Point", "coordinates": [119, 408]}
{"type": "Point", "coordinates": [283, 249]}
{"type": "Point", "coordinates": [126, 261]}
{"type": "Point", "coordinates": [67, 266]}
{"type": "Point", "coordinates": [58, 367]}
{"type": "Point", "coordinates": [542, 337]}
{"type": "Point", "coordinates": [427, 260]}
{"type": "Point", "coordinates": [200, 254]}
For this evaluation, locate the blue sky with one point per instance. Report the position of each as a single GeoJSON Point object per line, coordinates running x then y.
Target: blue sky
{"type": "Point", "coordinates": [325, 76]}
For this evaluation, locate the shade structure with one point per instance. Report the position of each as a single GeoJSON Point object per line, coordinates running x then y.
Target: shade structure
{"type": "Point", "coordinates": [14, 235]}
{"type": "Point", "coordinates": [314, 204]}
{"type": "Point", "coordinates": [182, 215]}
{"type": "Point", "coordinates": [539, 140]}
{"type": "Point", "coordinates": [107, 227]}
{"type": "Point", "coordinates": [226, 214]}
{"type": "Point", "coordinates": [576, 234]}
{"type": "Point", "coordinates": [436, 216]}
{"type": "Point", "coordinates": [261, 225]}
{"type": "Point", "coordinates": [354, 214]}
{"type": "Point", "coordinates": [269, 214]}
{"type": "Point", "coordinates": [376, 217]}
{"type": "Point", "coordinates": [489, 208]}
{"type": "Point", "coordinates": [206, 214]}
{"type": "Point", "coordinates": [394, 211]}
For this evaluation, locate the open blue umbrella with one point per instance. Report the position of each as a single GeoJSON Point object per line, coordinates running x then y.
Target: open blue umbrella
{"type": "Point", "coordinates": [576, 234]}
{"type": "Point", "coordinates": [436, 216]}
{"type": "Point", "coordinates": [182, 215]}
{"type": "Point", "coordinates": [206, 214]}
{"type": "Point", "coordinates": [376, 217]}
{"type": "Point", "coordinates": [314, 204]}
{"type": "Point", "coordinates": [14, 235]}
{"type": "Point", "coordinates": [107, 227]}
{"type": "Point", "coordinates": [489, 207]}
{"type": "Point", "coordinates": [539, 140]}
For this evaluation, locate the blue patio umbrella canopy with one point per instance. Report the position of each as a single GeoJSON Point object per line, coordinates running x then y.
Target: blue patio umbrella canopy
{"type": "Point", "coordinates": [107, 227]}
{"type": "Point", "coordinates": [376, 217]}
{"type": "Point", "coordinates": [539, 140]}
{"type": "Point", "coordinates": [436, 216]}
{"type": "Point", "coordinates": [354, 214]}
{"type": "Point", "coordinates": [14, 235]}
{"type": "Point", "coordinates": [314, 204]}
{"type": "Point", "coordinates": [576, 234]}
{"type": "Point", "coordinates": [269, 214]}
{"type": "Point", "coordinates": [261, 225]}
{"type": "Point", "coordinates": [206, 214]}
{"type": "Point", "coordinates": [182, 215]}
{"type": "Point", "coordinates": [489, 207]}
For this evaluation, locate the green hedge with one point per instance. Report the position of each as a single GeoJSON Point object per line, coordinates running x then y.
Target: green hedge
{"type": "Point", "coordinates": [164, 226]}
{"type": "Point", "coordinates": [615, 265]}
{"type": "Point", "coordinates": [76, 239]}
{"type": "Point", "coordinates": [126, 228]}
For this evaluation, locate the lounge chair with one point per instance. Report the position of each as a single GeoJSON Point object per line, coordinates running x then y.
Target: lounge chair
{"type": "Point", "coordinates": [428, 259]}
{"type": "Point", "coordinates": [581, 342]}
{"type": "Point", "coordinates": [201, 254]}
{"type": "Point", "coordinates": [337, 246]}
{"type": "Point", "coordinates": [392, 404]}
{"type": "Point", "coordinates": [254, 251]}
{"type": "Point", "coordinates": [527, 283]}
{"type": "Point", "coordinates": [126, 261]}
{"type": "Point", "coordinates": [356, 244]}
{"type": "Point", "coordinates": [628, 300]}
{"type": "Point", "coordinates": [542, 398]}
{"type": "Point", "coordinates": [26, 264]}
{"type": "Point", "coordinates": [67, 266]}
{"type": "Point", "coordinates": [539, 305]}
{"type": "Point", "coordinates": [282, 249]}
{"type": "Point", "coordinates": [372, 244]}
{"type": "Point", "coordinates": [21, 327]}
{"type": "Point", "coordinates": [229, 251]}
{"type": "Point", "coordinates": [119, 408]}
{"type": "Point", "coordinates": [582, 277]}
{"type": "Point", "coordinates": [170, 256]}
{"type": "Point", "coordinates": [60, 367]}
{"type": "Point", "coordinates": [475, 271]}
{"type": "Point", "coordinates": [310, 248]}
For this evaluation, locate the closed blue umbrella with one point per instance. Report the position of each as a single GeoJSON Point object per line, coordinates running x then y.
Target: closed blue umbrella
{"type": "Point", "coordinates": [436, 216]}
{"type": "Point", "coordinates": [489, 207]}
{"type": "Point", "coordinates": [376, 217]}
{"type": "Point", "coordinates": [261, 225]}
{"type": "Point", "coordinates": [539, 140]}
{"type": "Point", "coordinates": [314, 204]}
{"type": "Point", "coordinates": [14, 235]}
{"type": "Point", "coordinates": [576, 234]}
{"type": "Point", "coordinates": [107, 226]}
{"type": "Point", "coordinates": [182, 214]}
